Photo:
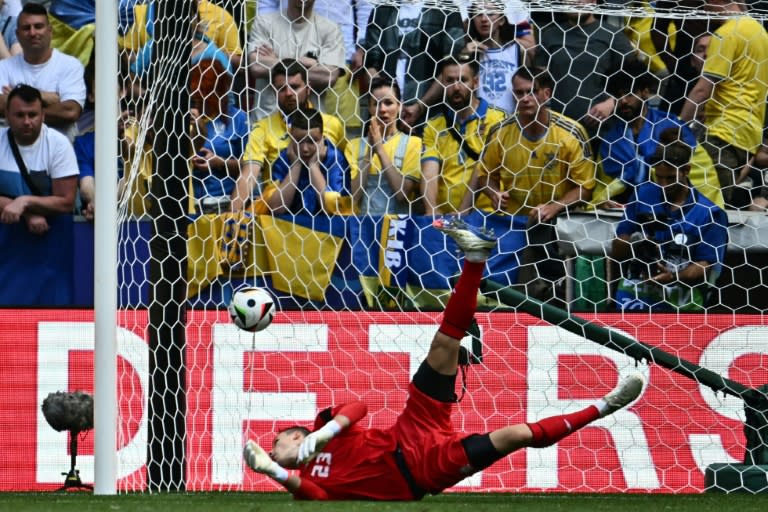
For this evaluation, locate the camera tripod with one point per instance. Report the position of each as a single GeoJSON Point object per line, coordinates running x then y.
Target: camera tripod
{"type": "Point", "coordinates": [72, 478]}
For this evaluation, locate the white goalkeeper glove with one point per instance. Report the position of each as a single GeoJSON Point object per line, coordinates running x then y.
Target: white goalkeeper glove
{"type": "Point", "coordinates": [259, 461]}
{"type": "Point", "coordinates": [315, 441]}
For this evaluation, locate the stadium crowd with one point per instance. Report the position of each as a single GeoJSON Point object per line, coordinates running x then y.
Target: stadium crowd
{"type": "Point", "coordinates": [358, 108]}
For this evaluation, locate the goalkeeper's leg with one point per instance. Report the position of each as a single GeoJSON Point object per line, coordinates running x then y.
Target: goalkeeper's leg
{"type": "Point", "coordinates": [484, 450]}
{"type": "Point", "coordinates": [477, 245]}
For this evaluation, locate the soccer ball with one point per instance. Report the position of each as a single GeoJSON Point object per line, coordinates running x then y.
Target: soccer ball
{"type": "Point", "coordinates": [252, 309]}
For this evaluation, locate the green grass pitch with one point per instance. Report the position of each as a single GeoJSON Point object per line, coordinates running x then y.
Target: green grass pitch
{"type": "Point", "coordinates": [269, 502]}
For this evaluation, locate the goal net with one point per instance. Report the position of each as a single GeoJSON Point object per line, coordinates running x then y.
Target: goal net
{"type": "Point", "coordinates": [210, 199]}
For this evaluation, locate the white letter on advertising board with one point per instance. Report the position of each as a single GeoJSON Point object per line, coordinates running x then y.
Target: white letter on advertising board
{"type": "Point", "coordinates": [55, 341]}
{"type": "Point", "coordinates": [546, 344]}
{"type": "Point", "coordinates": [719, 356]}
{"type": "Point", "coordinates": [233, 406]}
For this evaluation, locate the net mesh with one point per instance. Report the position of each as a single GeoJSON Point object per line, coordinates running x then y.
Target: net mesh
{"type": "Point", "coordinates": [360, 275]}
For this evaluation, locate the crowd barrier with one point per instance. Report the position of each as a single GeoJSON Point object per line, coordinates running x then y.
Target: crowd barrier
{"type": "Point", "coordinates": [340, 258]}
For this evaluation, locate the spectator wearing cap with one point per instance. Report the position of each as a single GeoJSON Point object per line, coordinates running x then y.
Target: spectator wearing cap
{"type": "Point", "coordinates": [671, 243]}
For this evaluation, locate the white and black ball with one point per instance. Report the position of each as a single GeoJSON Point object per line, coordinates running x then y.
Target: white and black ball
{"type": "Point", "coordinates": [252, 309]}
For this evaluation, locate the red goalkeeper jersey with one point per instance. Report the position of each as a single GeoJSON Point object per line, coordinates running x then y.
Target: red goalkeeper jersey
{"type": "Point", "coordinates": [357, 464]}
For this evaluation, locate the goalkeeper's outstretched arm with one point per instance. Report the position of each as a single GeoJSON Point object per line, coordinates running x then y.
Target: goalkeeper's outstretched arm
{"type": "Point", "coordinates": [260, 461]}
{"type": "Point", "coordinates": [346, 415]}
{"type": "Point", "coordinates": [291, 449]}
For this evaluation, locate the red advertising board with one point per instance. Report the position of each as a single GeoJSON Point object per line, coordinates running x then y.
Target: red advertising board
{"type": "Point", "coordinates": [242, 385]}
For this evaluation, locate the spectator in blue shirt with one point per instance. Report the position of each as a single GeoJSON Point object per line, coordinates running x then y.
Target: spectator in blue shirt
{"type": "Point", "coordinates": [85, 151]}
{"type": "Point", "coordinates": [85, 148]}
{"type": "Point", "coordinates": [311, 174]}
{"type": "Point", "coordinates": [672, 239]}
{"type": "Point", "coordinates": [219, 135]}
{"type": "Point", "coordinates": [9, 45]}
{"type": "Point", "coordinates": [632, 139]}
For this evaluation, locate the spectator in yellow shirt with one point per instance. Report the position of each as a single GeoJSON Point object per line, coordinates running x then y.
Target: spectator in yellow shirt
{"type": "Point", "coordinates": [269, 135]}
{"type": "Point", "coordinates": [537, 163]}
{"type": "Point", "coordinates": [384, 164]}
{"type": "Point", "coordinates": [453, 139]}
{"type": "Point", "coordinates": [732, 90]}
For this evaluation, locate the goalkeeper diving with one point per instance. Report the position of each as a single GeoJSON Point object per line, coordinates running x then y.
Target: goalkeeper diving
{"type": "Point", "coordinates": [421, 453]}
